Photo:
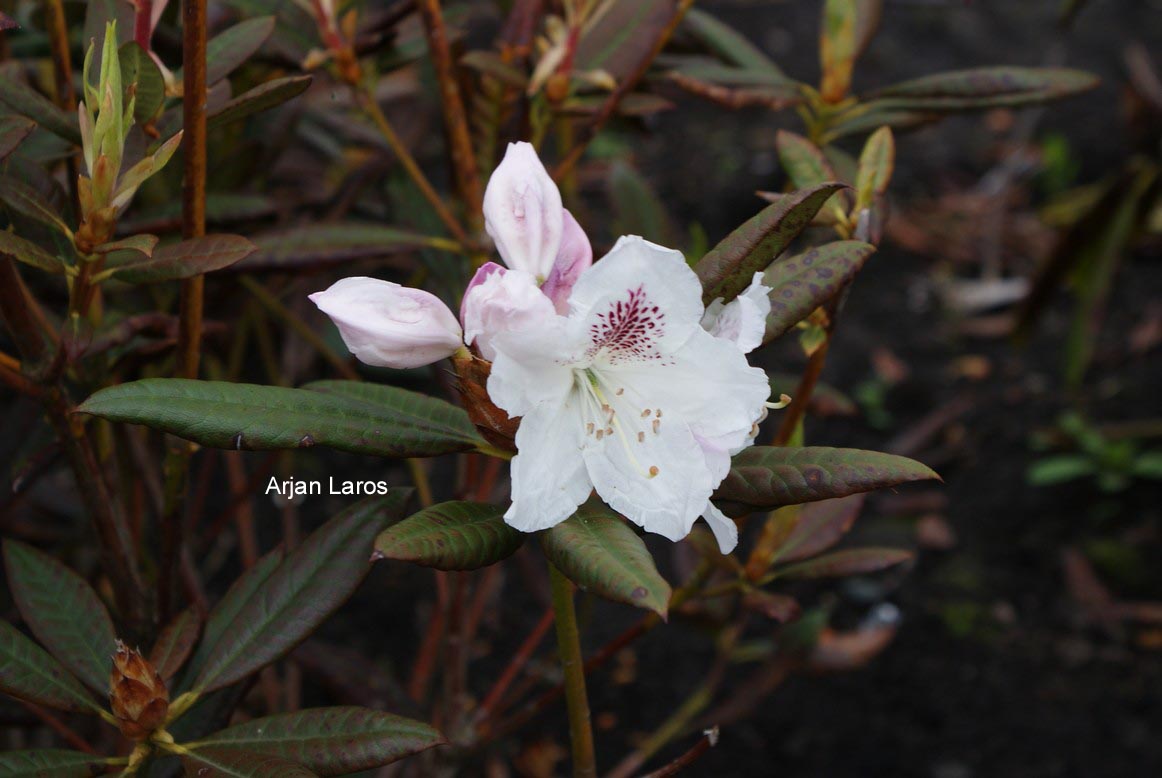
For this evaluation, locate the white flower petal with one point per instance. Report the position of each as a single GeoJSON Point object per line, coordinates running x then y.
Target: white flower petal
{"type": "Point", "coordinates": [532, 367]}
{"type": "Point", "coordinates": [743, 321]}
{"type": "Point", "coordinates": [724, 529]}
{"type": "Point", "coordinates": [523, 212]}
{"type": "Point", "coordinates": [388, 325]}
{"type": "Point", "coordinates": [549, 479]}
{"type": "Point", "coordinates": [640, 301]}
{"type": "Point", "coordinates": [504, 301]}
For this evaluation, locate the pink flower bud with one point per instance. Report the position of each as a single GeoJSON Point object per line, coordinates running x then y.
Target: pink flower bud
{"type": "Point", "coordinates": [573, 258]}
{"type": "Point", "coordinates": [503, 301]}
{"type": "Point", "coordinates": [523, 212]}
{"type": "Point", "coordinates": [388, 325]}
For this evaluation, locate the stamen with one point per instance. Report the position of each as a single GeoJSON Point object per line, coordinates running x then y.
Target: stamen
{"type": "Point", "coordinates": [646, 413]}
{"type": "Point", "coordinates": [589, 428]}
{"type": "Point", "coordinates": [600, 434]}
{"type": "Point", "coordinates": [656, 424]}
{"type": "Point", "coordinates": [653, 470]}
{"type": "Point", "coordinates": [784, 401]}
{"type": "Point", "coordinates": [641, 437]}
{"type": "Point", "coordinates": [658, 413]}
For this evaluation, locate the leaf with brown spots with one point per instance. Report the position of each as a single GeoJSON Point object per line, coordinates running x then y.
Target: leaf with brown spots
{"type": "Point", "coordinates": [451, 536]}
{"type": "Point", "coordinates": [802, 283]}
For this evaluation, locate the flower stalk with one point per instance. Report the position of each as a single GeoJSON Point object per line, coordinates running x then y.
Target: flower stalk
{"type": "Point", "coordinates": [576, 697]}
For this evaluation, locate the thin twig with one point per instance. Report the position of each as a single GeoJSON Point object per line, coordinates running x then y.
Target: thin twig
{"type": "Point", "coordinates": [708, 740]}
{"type": "Point", "coordinates": [576, 697]}
{"type": "Point", "coordinates": [518, 662]}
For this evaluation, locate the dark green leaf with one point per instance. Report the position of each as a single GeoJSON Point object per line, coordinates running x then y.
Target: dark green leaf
{"type": "Point", "coordinates": [801, 283]}
{"type": "Point", "coordinates": [843, 563]}
{"type": "Point", "coordinates": [175, 643]}
{"type": "Point", "coordinates": [13, 130]}
{"type": "Point", "coordinates": [875, 114]}
{"type": "Point", "coordinates": [728, 268]}
{"type": "Point", "coordinates": [803, 161]}
{"type": "Point", "coordinates": [29, 253]}
{"type": "Point", "coordinates": [28, 202]}
{"type": "Point", "coordinates": [876, 163]}
{"type": "Point", "coordinates": [1059, 469]}
{"type": "Point", "coordinates": [820, 526]}
{"type": "Point", "coordinates": [598, 551]}
{"type": "Point", "coordinates": [727, 43]}
{"type": "Point", "coordinates": [64, 613]}
{"type": "Point", "coordinates": [261, 98]}
{"type": "Point", "coordinates": [451, 536]}
{"type": "Point", "coordinates": [625, 33]}
{"type": "Point", "coordinates": [328, 741]}
{"type": "Point", "coordinates": [29, 673]}
{"type": "Point", "coordinates": [775, 82]}
{"type": "Point", "coordinates": [50, 763]}
{"type": "Point", "coordinates": [233, 763]}
{"type": "Point", "coordinates": [320, 244]}
{"type": "Point", "coordinates": [765, 477]}
{"type": "Point", "coordinates": [312, 582]}
{"type": "Point", "coordinates": [140, 71]}
{"type": "Point", "coordinates": [347, 415]}
{"type": "Point", "coordinates": [988, 87]}
{"type": "Point", "coordinates": [185, 259]}
{"type": "Point", "coordinates": [23, 100]}
{"type": "Point", "coordinates": [491, 64]}
{"type": "Point", "coordinates": [143, 244]}
{"type": "Point", "coordinates": [232, 47]}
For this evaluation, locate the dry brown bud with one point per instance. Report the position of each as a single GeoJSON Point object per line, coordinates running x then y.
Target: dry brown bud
{"type": "Point", "coordinates": [137, 694]}
{"type": "Point", "coordinates": [494, 423]}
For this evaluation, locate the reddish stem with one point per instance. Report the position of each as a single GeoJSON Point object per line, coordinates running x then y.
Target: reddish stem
{"type": "Point", "coordinates": [143, 23]}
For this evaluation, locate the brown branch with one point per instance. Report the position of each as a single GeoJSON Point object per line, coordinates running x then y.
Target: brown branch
{"type": "Point", "coordinates": [519, 660]}
{"type": "Point", "coordinates": [455, 117]}
{"type": "Point", "coordinates": [708, 740]}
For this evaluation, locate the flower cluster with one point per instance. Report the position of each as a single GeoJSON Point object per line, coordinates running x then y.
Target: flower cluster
{"type": "Point", "coordinates": [623, 382]}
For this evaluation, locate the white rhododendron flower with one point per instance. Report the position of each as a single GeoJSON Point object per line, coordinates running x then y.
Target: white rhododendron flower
{"type": "Point", "coordinates": [628, 395]}
{"type": "Point", "coordinates": [501, 301]}
{"type": "Point", "coordinates": [388, 325]}
{"type": "Point", "coordinates": [742, 321]}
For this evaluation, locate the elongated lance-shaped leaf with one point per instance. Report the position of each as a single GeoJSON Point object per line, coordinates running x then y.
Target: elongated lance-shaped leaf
{"type": "Point", "coordinates": [852, 561]}
{"type": "Point", "coordinates": [624, 33]}
{"type": "Point", "coordinates": [451, 536]}
{"type": "Point", "coordinates": [28, 202]}
{"type": "Point", "coordinates": [598, 550]}
{"type": "Point", "coordinates": [837, 48]}
{"type": "Point", "coordinates": [313, 580]}
{"type": "Point", "coordinates": [346, 415]}
{"type": "Point", "coordinates": [233, 46]}
{"type": "Point", "coordinates": [807, 166]}
{"type": "Point", "coordinates": [726, 42]}
{"type": "Point", "coordinates": [727, 268]}
{"type": "Point", "coordinates": [185, 259]}
{"type": "Point", "coordinates": [133, 178]}
{"type": "Point", "coordinates": [64, 613]}
{"type": "Point", "coordinates": [769, 476]}
{"type": "Point", "coordinates": [323, 244]}
{"type": "Point", "coordinates": [987, 87]}
{"type": "Point", "coordinates": [328, 741]}
{"type": "Point", "coordinates": [54, 762]}
{"type": "Point", "coordinates": [234, 763]}
{"type": "Point", "coordinates": [818, 527]}
{"type": "Point", "coordinates": [29, 253]}
{"type": "Point", "coordinates": [13, 131]}
{"type": "Point", "coordinates": [802, 283]}
{"type": "Point", "coordinates": [175, 643]}
{"type": "Point", "coordinates": [24, 101]}
{"type": "Point", "coordinates": [261, 98]}
{"type": "Point", "coordinates": [140, 73]}
{"type": "Point", "coordinates": [28, 672]}
{"type": "Point", "coordinates": [228, 608]}
{"type": "Point", "coordinates": [876, 163]}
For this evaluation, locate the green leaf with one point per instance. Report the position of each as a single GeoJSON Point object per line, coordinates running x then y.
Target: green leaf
{"type": "Point", "coordinates": [29, 253]}
{"type": "Point", "coordinates": [1059, 469]}
{"type": "Point", "coordinates": [311, 583]}
{"type": "Point", "coordinates": [726, 42]}
{"type": "Point", "coordinates": [802, 283]}
{"type": "Point", "coordinates": [328, 741]}
{"type": "Point", "coordinates": [727, 269]}
{"type": "Point", "coordinates": [25, 200]}
{"type": "Point", "coordinates": [820, 526]}
{"type": "Point", "coordinates": [764, 477]}
{"type": "Point", "coordinates": [876, 163]}
{"type": "Point", "coordinates": [492, 64]}
{"type": "Point", "coordinates": [853, 561]}
{"type": "Point", "coordinates": [13, 130]}
{"type": "Point", "coordinates": [232, 47]}
{"type": "Point", "coordinates": [803, 161]}
{"type": "Point", "coordinates": [347, 415]}
{"type": "Point", "coordinates": [872, 115]}
{"type": "Point", "coordinates": [636, 206]}
{"type": "Point", "coordinates": [622, 35]}
{"type": "Point", "coordinates": [50, 763]}
{"type": "Point", "coordinates": [451, 536]}
{"type": "Point", "coordinates": [185, 259]}
{"type": "Point", "coordinates": [1148, 465]}
{"type": "Point", "coordinates": [174, 644]}
{"type": "Point", "coordinates": [143, 170]}
{"type": "Point", "coordinates": [23, 100]}
{"type": "Point", "coordinates": [322, 244]}
{"type": "Point", "coordinates": [28, 672]}
{"type": "Point", "coordinates": [226, 611]}
{"type": "Point", "coordinates": [140, 73]}
{"type": "Point", "coordinates": [598, 551]}
{"type": "Point", "coordinates": [261, 98]}
{"type": "Point", "coordinates": [837, 48]}
{"type": "Point", "coordinates": [144, 244]}
{"type": "Point", "coordinates": [233, 763]}
{"type": "Point", "coordinates": [63, 612]}
{"type": "Point", "coordinates": [987, 87]}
